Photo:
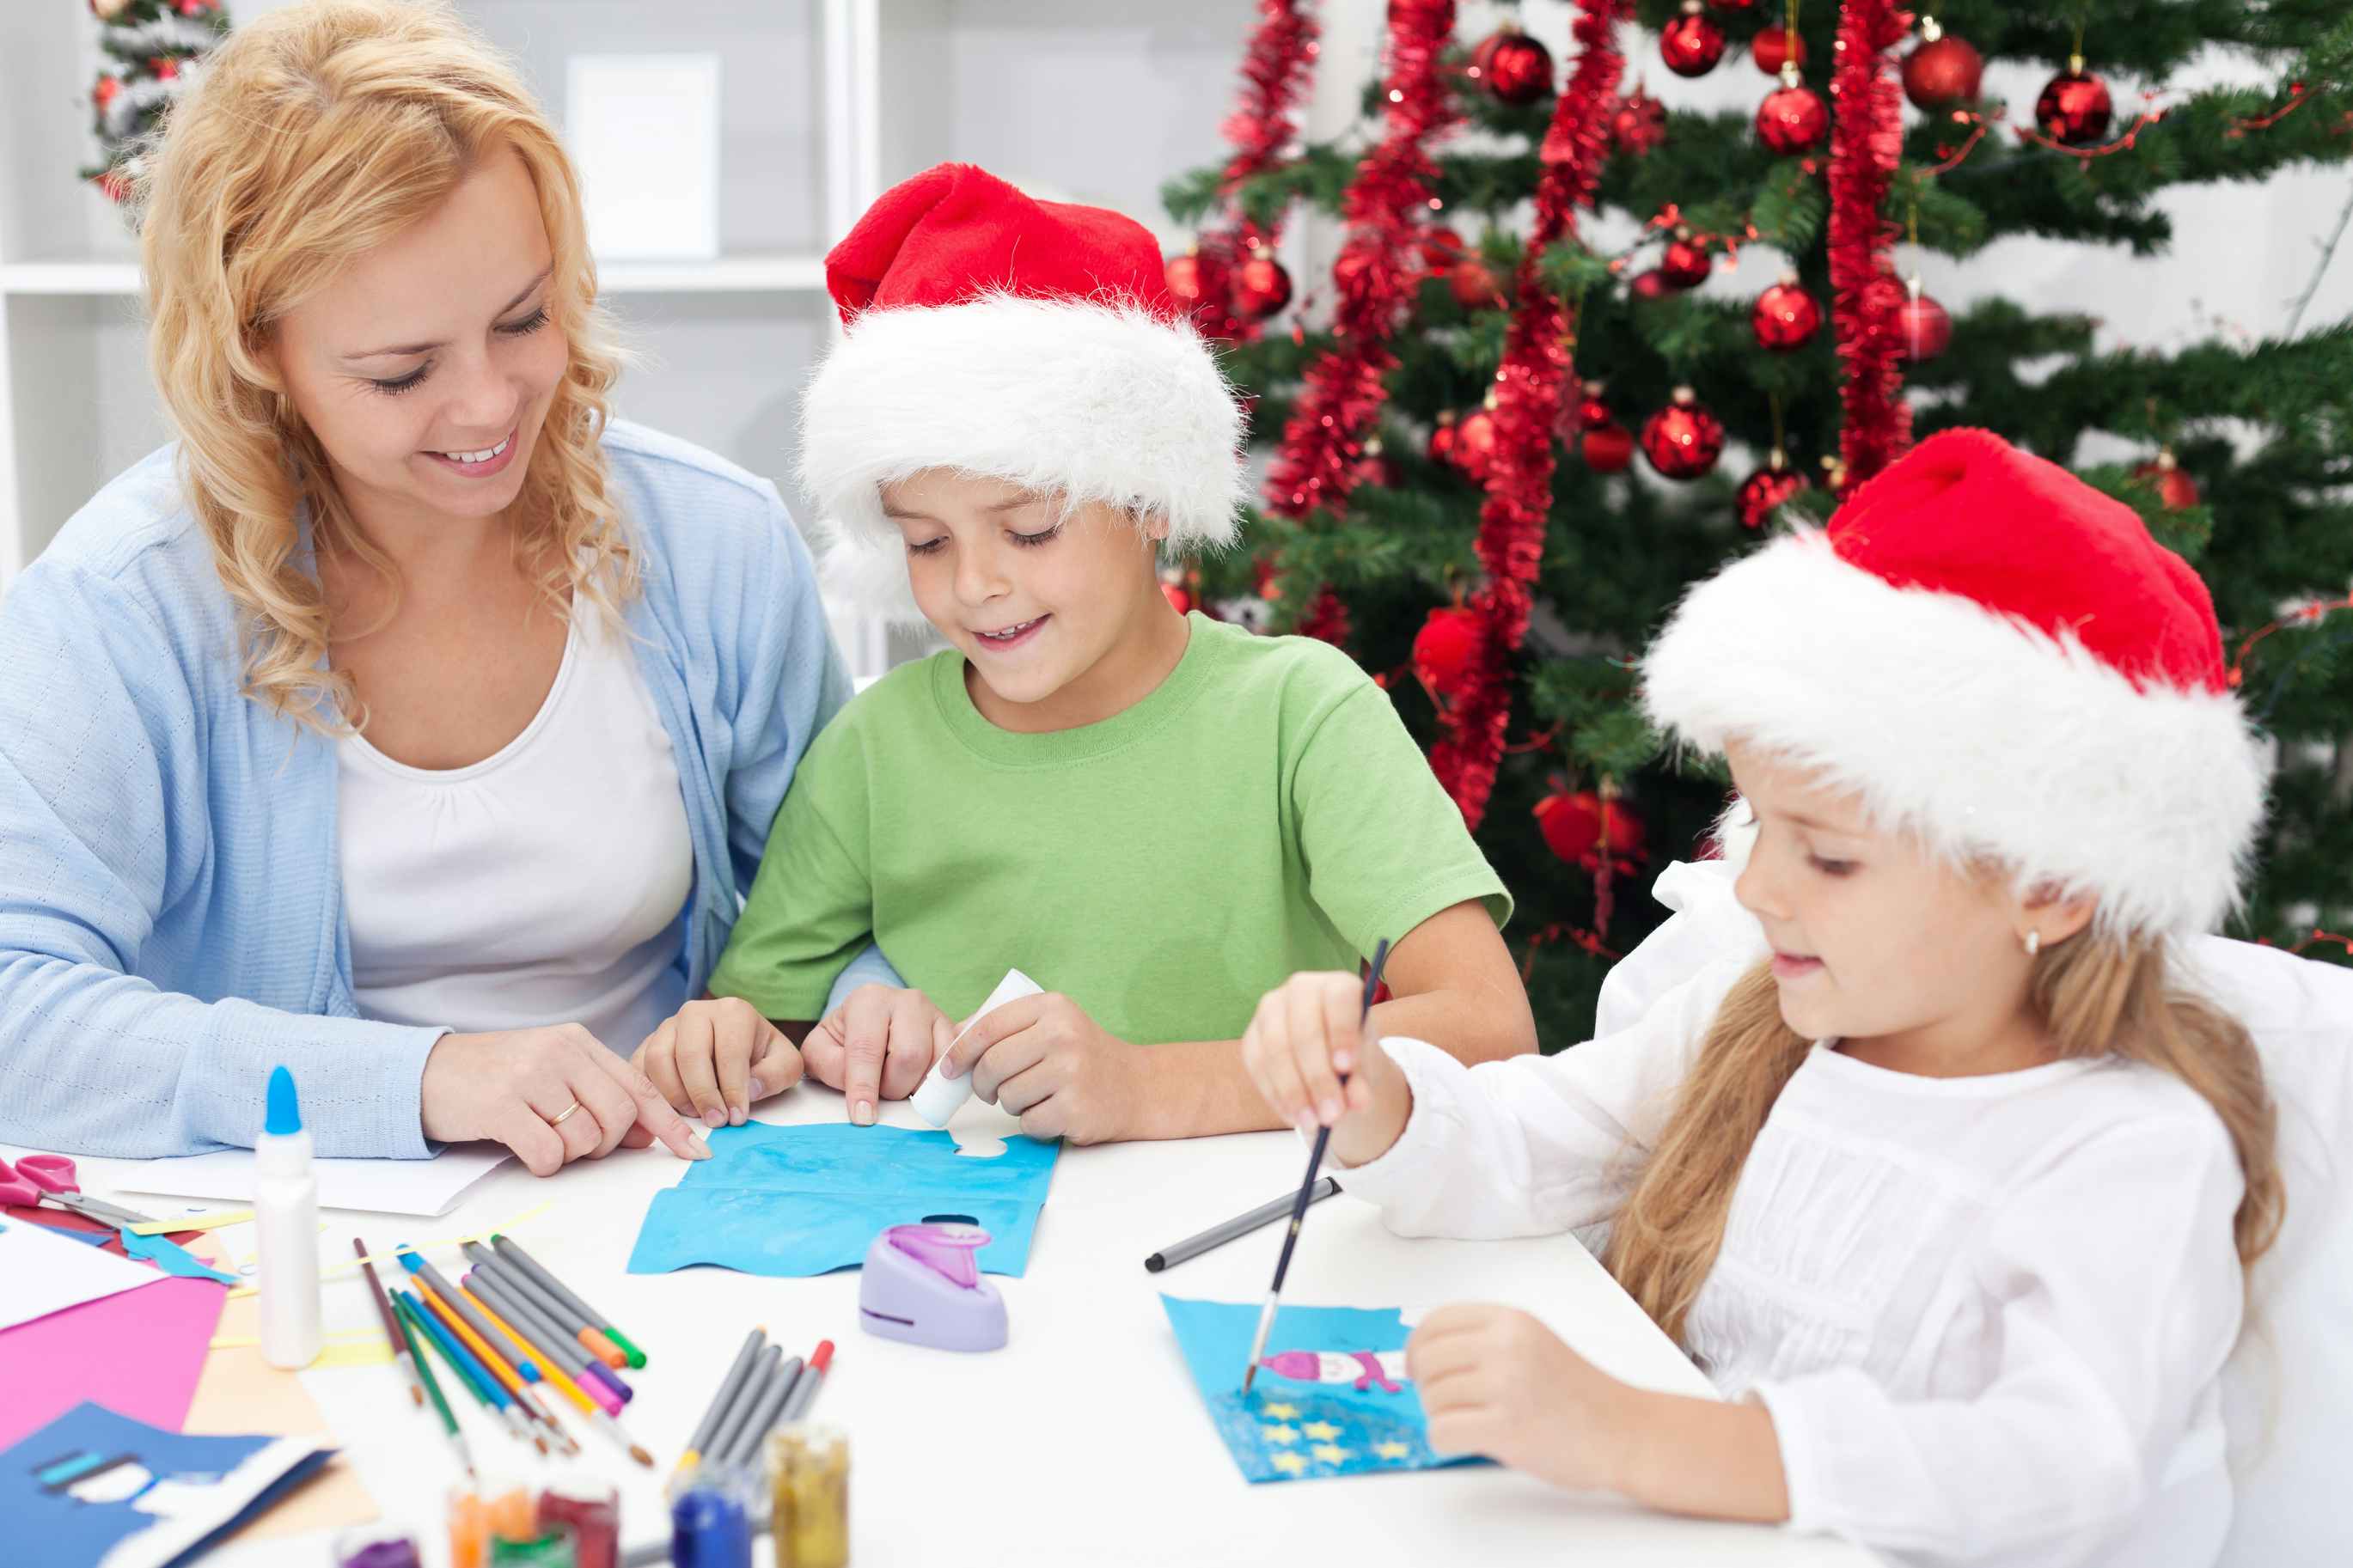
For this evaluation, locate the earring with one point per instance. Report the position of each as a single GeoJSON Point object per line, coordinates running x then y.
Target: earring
{"type": "Point", "coordinates": [2033, 942]}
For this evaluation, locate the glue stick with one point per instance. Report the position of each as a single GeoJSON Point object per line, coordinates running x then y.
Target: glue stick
{"type": "Point", "coordinates": [940, 1097]}
{"type": "Point", "coordinates": [286, 1215]}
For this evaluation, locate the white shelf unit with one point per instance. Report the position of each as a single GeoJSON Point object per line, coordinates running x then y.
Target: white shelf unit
{"type": "Point", "coordinates": [824, 104]}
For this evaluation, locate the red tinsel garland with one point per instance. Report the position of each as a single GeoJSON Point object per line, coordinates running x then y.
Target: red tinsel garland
{"type": "Point", "coordinates": [1277, 65]}
{"type": "Point", "coordinates": [1537, 363]}
{"type": "Point", "coordinates": [1387, 209]}
{"type": "Point", "coordinates": [1866, 139]}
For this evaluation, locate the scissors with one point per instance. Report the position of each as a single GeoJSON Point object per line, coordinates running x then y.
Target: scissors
{"type": "Point", "coordinates": [37, 1179]}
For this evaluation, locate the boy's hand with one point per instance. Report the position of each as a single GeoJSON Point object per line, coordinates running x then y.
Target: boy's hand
{"type": "Point", "coordinates": [1494, 1381]}
{"type": "Point", "coordinates": [1042, 1058]}
{"type": "Point", "coordinates": [877, 1046]}
{"type": "Point", "coordinates": [716, 1056]}
{"type": "Point", "coordinates": [1307, 1036]}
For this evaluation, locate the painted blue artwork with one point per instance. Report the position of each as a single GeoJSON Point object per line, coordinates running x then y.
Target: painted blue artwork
{"type": "Point", "coordinates": [93, 1488]}
{"type": "Point", "coordinates": [1331, 1397]}
{"type": "Point", "coordinates": [796, 1200]}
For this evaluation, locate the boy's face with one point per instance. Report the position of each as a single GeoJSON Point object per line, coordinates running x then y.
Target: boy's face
{"type": "Point", "coordinates": [1873, 937]}
{"type": "Point", "coordinates": [1035, 597]}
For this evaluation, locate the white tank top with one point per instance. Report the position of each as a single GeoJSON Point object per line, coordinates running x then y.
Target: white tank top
{"type": "Point", "coordinates": [543, 884]}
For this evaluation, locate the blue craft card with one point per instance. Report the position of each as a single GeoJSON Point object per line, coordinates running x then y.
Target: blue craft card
{"type": "Point", "coordinates": [1330, 1397]}
{"type": "Point", "coordinates": [92, 1487]}
{"type": "Point", "coordinates": [796, 1200]}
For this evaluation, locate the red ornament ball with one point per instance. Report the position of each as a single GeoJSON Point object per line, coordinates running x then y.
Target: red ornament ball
{"type": "Point", "coordinates": [1770, 50]}
{"type": "Point", "coordinates": [1942, 71]}
{"type": "Point", "coordinates": [1574, 826]}
{"type": "Point", "coordinates": [1793, 117]}
{"type": "Point", "coordinates": [166, 68]}
{"type": "Point", "coordinates": [1650, 284]}
{"type": "Point", "coordinates": [1442, 248]}
{"type": "Point", "coordinates": [2074, 108]}
{"type": "Point", "coordinates": [1924, 328]}
{"type": "Point", "coordinates": [104, 92]}
{"type": "Point", "coordinates": [1441, 440]}
{"type": "Point", "coordinates": [1473, 284]}
{"type": "Point", "coordinates": [1261, 288]}
{"type": "Point", "coordinates": [1512, 67]}
{"type": "Point", "coordinates": [1592, 414]}
{"type": "Point", "coordinates": [1693, 42]}
{"type": "Point", "coordinates": [1474, 444]}
{"type": "Point", "coordinates": [1785, 316]}
{"type": "Point", "coordinates": [2175, 490]}
{"type": "Point", "coordinates": [1606, 449]}
{"type": "Point", "coordinates": [1446, 650]}
{"type": "Point", "coordinates": [1768, 491]}
{"type": "Point", "coordinates": [1684, 265]}
{"type": "Point", "coordinates": [1184, 276]}
{"type": "Point", "coordinates": [1638, 123]}
{"type": "Point", "coordinates": [1682, 440]}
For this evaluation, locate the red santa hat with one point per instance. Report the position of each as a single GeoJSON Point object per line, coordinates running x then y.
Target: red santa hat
{"type": "Point", "coordinates": [1995, 656]}
{"type": "Point", "coordinates": [1031, 341]}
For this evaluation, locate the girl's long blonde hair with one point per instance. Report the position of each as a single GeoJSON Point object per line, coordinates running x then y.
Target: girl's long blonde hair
{"type": "Point", "coordinates": [2094, 995]}
{"type": "Point", "coordinates": [315, 134]}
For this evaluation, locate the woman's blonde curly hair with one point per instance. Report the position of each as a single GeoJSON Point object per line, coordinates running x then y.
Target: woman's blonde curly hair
{"type": "Point", "coordinates": [315, 134]}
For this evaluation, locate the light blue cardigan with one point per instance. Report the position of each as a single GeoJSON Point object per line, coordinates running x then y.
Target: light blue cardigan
{"type": "Point", "coordinates": [170, 904]}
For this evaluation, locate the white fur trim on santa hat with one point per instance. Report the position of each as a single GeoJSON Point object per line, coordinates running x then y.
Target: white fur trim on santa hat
{"type": "Point", "coordinates": [1095, 400]}
{"type": "Point", "coordinates": [1983, 735]}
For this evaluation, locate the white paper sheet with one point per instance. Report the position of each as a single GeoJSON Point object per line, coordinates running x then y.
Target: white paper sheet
{"type": "Point", "coordinates": [387, 1186]}
{"type": "Point", "coordinates": [43, 1272]}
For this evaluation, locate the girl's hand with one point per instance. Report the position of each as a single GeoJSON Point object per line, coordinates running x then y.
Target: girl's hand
{"type": "Point", "coordinates": [714, 1057]}
{"type": "Point", "coordinates": [552, 1095]}
{"type": "Point", "coordinates": [876, 1045]}
{"type": "Point", "coordinates": [1308, 1035]}
{"type": "Point", "coordinates": [1046, 1061]}
{"type": "Point", "coordinates": [1495, 1382]}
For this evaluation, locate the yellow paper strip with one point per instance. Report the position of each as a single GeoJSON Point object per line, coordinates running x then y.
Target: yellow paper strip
{"type": "Point", "coordinates": [350, 1267]}
{"type": "Point", "coordinates": [191, 1221]}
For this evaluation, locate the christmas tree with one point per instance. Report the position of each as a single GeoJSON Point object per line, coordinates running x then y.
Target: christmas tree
{"type": "Point", "coordinates": [1498, 453]}
{"type": "Point", "coordinates": [151, 46]}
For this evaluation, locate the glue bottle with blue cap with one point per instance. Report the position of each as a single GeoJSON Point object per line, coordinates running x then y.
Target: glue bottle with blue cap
{"type": "Point", "coordinates": [286, 1219]}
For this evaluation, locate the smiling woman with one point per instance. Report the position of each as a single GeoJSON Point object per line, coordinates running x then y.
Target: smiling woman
{"type": "Point", "coordinates": [307, 720]}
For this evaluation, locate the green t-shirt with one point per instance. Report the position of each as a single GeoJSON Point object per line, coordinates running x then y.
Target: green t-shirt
{"type": "Point", "coordinates": [1262, 811]}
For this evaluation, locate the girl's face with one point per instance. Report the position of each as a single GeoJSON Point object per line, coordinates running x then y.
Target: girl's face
{"type": "Point", "coordinates": [1035, 598]}
{"type": "Point", "coordinates": [1876, 942]}
{"type": "Point", "coordinates": [428, 366]}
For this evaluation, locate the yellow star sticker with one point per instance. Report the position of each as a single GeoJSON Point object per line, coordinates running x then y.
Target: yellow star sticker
{"type": "Point", "coordinates": [1289, 1464]}
{"type": "Point", "coordinates": [1321, 1431]}
{"type": "Point", "coordinates": [1330, 1454]}
{"type": "Point", "coordinates": [1392, 1450]}
{"type": "Point", "coordinates": [1281, 1433]}
{"type": "Point", "coordinates": [1281, 1412]}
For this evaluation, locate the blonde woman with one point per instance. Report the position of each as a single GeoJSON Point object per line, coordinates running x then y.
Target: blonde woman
{"type": "Point", "coordinates": [406, 721]}
{"type": "Point", "coordinates": [1955, 1196]}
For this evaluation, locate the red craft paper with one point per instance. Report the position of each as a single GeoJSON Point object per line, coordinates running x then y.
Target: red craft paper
{"type": "Point", "coordinates": [138, 1353]}
{"type": "Point", "coordinates": [66, 1219]}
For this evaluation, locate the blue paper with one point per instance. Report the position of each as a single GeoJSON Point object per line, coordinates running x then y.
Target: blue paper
{"type": "Point", "coordinates": [1330, 1397]}
{"type": "Point", "coordinates": [92, 1487]}
{"type": "Point", "coordinates": [172, 1259]}
{"type": "Point", "coordinates": [797, 1200]}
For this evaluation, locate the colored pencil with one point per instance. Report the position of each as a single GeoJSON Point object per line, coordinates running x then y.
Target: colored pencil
{"type": "Point", "coordinates": [495, 1366]}
{"type": "Point", "coordinates": [509, 1247]}
{"type": "Point", "coordinates": [821, 1362]}
{"type": "Point", "coordinates": [1306, 1186]}
{"type": "Point", "coordinates": [484, 1388]}
{"type": "Point", "coordinates": [1241, 1224]}
{"type": "Point", "coordinates": [508, 1273]}
{"type": "Point", "coordinates": [763, 1418]}
{"type": "Point", "coordinates": [490, 1268]}
{"type": "Point", "coordinates": [391, 1324]}
{"type": "Point", "coordinates": [737, 1370]}
{"type": "Point", "coordinates": [433, 1390]}
{"type": "Point", "coordinates": [598, 1417]}
{"type": "Point", "coordinates": [511, 1314]}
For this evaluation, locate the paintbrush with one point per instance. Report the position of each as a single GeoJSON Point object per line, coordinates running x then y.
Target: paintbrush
{"type": "Point", "coordinates": [1306, 1195]}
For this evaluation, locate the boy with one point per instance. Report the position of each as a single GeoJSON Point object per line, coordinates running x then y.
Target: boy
{"type": "Point", "coordinates": [1157, 815]}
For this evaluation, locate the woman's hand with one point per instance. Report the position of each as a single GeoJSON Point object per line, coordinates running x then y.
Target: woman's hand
{"type": "Point", "coordinates": [552, 1095]}
{"type": "Point", "coordinates": [876, 1045]}
{"type": "Point", "coordinates": [1494, 1381]}
{"type": "Point", "coordinates": [714, 1057]}
{"type": "Point", "coordinates": [1046, 1061]}
{"type": "Point", "coordinates": [1308, 1035]}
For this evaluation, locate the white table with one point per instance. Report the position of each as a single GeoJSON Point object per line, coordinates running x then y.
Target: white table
{"type": "Point", "coordinates": [1083, 1441]}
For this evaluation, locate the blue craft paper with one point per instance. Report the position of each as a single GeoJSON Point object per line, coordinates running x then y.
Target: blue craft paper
{"type": "Point", "coordinates": [132, 1478]}
{"type": "Point", "coordinates": [171, 1258]}
{"type": "Point", "coordinates": [1278, 1431]}
{"type": "Point", "coordinates": [797, 1200]}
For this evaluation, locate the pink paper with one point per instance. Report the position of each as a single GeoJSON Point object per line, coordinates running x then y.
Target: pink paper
{"type": "Point", "coordinates": [138, 1353]}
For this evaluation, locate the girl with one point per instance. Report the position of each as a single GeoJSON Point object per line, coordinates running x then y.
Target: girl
{"type": "Point", "coordinates": [1954, 1195]}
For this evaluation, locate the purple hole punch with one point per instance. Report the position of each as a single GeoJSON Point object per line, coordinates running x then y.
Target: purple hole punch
{"type": "Point", "coordinates": [923, 1285]}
